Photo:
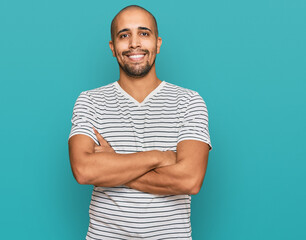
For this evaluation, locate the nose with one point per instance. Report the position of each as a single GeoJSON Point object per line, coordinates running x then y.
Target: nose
{"type": "Point", "coordinates": [134, 41]}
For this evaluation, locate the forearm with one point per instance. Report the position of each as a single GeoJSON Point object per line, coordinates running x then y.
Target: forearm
{"type": "Point", "coordinates": [113, 169]}
{"type": "Point", "coordinates": [173, 180]}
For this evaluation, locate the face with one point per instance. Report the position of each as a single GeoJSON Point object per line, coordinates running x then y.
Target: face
{"type": "Point", "coordinates": [135, 43]}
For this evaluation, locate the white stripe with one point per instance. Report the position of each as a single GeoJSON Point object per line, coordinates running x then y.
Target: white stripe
{"type": "Point", "coordinates": [168, 115]}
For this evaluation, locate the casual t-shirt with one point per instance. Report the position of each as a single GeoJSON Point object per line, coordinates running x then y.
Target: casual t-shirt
{"type": "Point", "coordinates": [168, 115]}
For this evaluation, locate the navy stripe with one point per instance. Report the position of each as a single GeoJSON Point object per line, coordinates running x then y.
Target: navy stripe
{"type": "Point", "coordinates": [169, 115]}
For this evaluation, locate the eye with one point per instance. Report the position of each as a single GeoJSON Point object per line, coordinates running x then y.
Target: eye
{"type": "Point", "coordinates": [144, 34]}
{"type": "Point", "coordinates": [123, 35]}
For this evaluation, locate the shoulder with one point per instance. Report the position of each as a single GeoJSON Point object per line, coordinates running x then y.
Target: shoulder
{"type": "Point", "coordinates": [100, 92]}
{"type": "Point", "coordinates": [95, 97]}
{"type": "Point", "coordinates": [188, 100]}
{"type": "Point", "coordinates": [181, 92]}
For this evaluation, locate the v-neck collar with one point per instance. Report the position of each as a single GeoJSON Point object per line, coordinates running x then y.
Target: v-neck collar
{"type": "Point", "coordinates": [149, 96]}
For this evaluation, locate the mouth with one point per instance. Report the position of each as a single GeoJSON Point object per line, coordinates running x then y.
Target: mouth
{"type": "Point", "coordinates": [136, 56]}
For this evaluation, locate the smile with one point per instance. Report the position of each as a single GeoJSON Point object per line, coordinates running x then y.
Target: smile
{"type": "Point", "coordinates": [137, 57]}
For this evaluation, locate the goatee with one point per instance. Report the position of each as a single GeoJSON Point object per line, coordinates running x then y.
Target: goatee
{"type": "Point", "coordinates": [136, 71]}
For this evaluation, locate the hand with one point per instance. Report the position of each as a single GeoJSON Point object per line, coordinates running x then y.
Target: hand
{"type": "Point", "coordinates": [168, 158]}
{"type": "Point", "coordinates": [104, 145]}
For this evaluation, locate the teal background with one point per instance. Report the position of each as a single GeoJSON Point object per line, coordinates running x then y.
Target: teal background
{"type": "Point", "coordinates": [246, 58]}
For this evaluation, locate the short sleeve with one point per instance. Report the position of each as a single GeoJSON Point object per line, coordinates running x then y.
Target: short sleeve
{"type": "Point", "coordinates": [83, 117]}
{"type": "Point", "coordinates": [195, 122]}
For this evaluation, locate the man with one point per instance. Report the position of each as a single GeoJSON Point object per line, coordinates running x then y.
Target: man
{"type": "Point", "coordinates": [142, 142]}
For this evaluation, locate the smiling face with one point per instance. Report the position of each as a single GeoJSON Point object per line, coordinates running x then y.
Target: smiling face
{"type": "Point", "coordinates": [135, 43]}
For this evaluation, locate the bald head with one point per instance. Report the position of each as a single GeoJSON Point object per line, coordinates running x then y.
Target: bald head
{"type": "Point", "coordinates": [131, 7]}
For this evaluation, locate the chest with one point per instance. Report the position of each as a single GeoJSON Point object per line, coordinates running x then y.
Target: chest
{"type": "Point", "coordinates": [129, 128]}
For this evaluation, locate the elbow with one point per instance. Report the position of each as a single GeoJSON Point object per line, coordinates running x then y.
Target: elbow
{"type": "Point", "coordinates": [81, 169]}
{"type": "Point", "coordinates": [85, 175]}
{"type": "Point", "coordinates": [80, 173]}
{"type": "Point", "coordinates": [194, 190]}
{"type": "Point", "coordinates": [80, 176]}
{"type": "Point", "coordinates": [194, 186]}
{"type": "Point", "coordinates": [189, 185]}
{"type": "Point", "coordinates": [81, 179]}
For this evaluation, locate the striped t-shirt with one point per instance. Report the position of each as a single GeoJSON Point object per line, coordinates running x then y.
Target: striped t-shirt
{"type": "Point", "coordinates": [168, 115]}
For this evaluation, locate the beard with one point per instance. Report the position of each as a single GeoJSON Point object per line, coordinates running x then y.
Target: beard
{"type": "Point", "coordinates": [135, 70]}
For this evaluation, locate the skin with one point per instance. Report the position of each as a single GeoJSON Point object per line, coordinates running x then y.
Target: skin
{"type": "Point", "coordinates": [162, 172]}
{"type": "Point", "coordinates": [136, 40]}
{"type": "Point", "coordinates": [107, 168]}
{"type": "Point", "coordinates": [184, 177]}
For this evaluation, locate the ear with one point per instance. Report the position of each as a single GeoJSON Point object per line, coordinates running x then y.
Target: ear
{"type": "Point", "coordinates": [159, 43]}
{"type": "Point", "coordinates": [111, 45]}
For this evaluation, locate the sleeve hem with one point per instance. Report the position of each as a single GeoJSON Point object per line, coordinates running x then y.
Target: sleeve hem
{"type": "Point", "coordinates": [190, 138]}
{"type": "Point", "coordinates": [82, 133]}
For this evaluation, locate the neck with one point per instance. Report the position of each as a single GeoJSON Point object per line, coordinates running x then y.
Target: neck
{"type": "Point", "coordinates": [139, 88]}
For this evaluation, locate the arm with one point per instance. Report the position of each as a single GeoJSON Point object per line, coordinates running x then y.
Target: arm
{"type": "Point", "coordinates": [107, 168]}
{"type": "Point", "coordinates": [184, 177]}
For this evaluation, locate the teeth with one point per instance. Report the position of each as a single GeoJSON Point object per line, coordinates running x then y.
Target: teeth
{"type": "Point", "coordinates": [136, 56]}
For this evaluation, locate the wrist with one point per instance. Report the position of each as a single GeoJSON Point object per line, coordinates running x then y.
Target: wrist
{"type": "Point", "coordinates": [128, 184]}
{"type": "Point", "coordinates": [156, 157]}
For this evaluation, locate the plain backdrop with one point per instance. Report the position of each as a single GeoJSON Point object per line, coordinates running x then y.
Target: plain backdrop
{"type": "Point", "coordinates": [247, 59]}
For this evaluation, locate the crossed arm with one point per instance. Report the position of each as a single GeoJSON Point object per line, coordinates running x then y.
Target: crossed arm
{"type": "Point", "coordinates": [184, 177]}
{"type": "Point", "coordinates": [154, 171]}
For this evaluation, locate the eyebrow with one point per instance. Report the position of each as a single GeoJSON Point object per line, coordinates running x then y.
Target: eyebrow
{"type": "Point", "coordinates": [128, 29]}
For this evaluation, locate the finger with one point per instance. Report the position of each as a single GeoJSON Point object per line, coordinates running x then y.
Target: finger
{"type": "Point", "coordinates": [104, 148]}
{"type": "Point", "coordinates": [99, 137]}
{"type": "Point", "coordinates": [101, 140]}
{"type": "Point", "coordinates": [98, 148]}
